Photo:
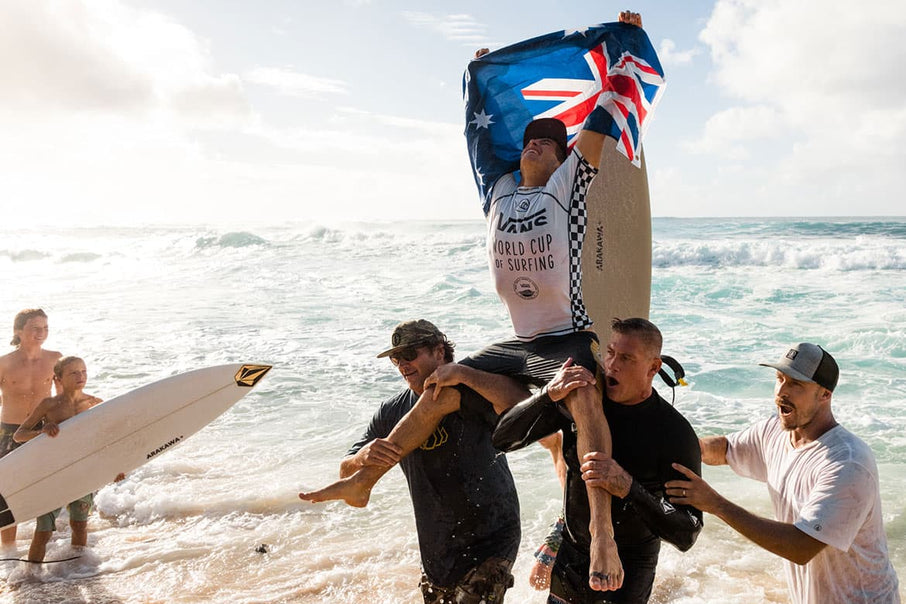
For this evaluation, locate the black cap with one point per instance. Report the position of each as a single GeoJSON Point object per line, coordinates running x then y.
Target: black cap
{"type": "Point", "coordinates": [412, 333]}
{"type": "Point", "coordinates": [547, 127]}
{"type": "Point", "coordinates": [808, 363]}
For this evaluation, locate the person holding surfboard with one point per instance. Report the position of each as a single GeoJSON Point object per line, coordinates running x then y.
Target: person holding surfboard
{"type": "Point", "coordinates": [463, 495]}
{"type": "Point", "coordinates": [823, 482]}
{"type": "Point", "coordinates": [648, 435]}
{"type": "Point", "coordinates": [535, 237]}
{"type": "Point", "coordinates": [536, 227]}
{"type": "Point", "coordinates": [26, 378]}
{"type": "Point", "coordinates": [70, 376]}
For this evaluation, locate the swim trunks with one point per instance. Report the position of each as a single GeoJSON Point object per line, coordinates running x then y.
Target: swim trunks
{"type": "Point", "coordinates": [7, 444]}
{"type": "Point", "coordinates": [537, 362]}
{"type": "Point", "coordinates": [78, 512]}
{"type": "Point", "coordinates": [487, 582]}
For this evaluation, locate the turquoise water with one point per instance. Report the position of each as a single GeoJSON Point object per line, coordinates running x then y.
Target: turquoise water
{"type": "Point", "coordinates": [318, 302]}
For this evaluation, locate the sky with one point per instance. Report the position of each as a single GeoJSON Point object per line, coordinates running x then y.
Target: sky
{"type": "Point", "coordinates": [133, 112]}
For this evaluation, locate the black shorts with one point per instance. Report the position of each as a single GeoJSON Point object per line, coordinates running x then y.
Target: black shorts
{"type": "Point", "coordinates": [7, 444]}
{"type": "Point", "coordinates": [537, 362]}
{"type": "Point", "coordinates": [485, 584]}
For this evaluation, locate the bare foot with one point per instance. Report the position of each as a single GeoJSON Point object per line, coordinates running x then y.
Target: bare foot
{"type": "Point", "coordinates": [347, 489]}
{"type": "Point", "coordinates": [605, 573]}
{"type": "Point", "coordinates": [540, 576]}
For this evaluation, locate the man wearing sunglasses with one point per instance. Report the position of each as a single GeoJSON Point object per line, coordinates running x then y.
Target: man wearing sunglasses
{"type": "Point", "coordinates": [532, 234]}
{"type": "Point", "coordinates": [463, 495]}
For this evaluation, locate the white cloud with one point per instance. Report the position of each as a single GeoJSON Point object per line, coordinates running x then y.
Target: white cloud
{"type": "Point", "coordinates": [458, 28]}
{"type": "Point", "coordinates": [103, 56]}
{"type": "Point", "coordinates": [293, 83]}
{"type": "Point", "coordinates": [820, 80]}
{"type": "Point", "coordinates": [670, 56]}
{"type": "Point", "coordinates": [726, 132]}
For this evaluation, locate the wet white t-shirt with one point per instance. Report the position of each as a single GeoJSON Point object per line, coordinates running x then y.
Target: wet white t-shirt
{"type": "Point", "coordinates": [829, 490]}
{"type": "Point", "coordinates": [535, 237]}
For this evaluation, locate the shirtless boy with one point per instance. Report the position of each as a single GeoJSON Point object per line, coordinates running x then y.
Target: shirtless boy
{"type": "Point", "coordinates": [26, 377]}
{"type": "Point", "coordinates": [70, 376]}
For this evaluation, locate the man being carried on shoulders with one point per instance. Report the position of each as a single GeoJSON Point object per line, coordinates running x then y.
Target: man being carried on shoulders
{"type": "Point", "coordinates": [543, 296]}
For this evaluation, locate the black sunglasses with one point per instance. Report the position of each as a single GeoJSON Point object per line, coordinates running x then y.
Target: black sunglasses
{"type": "Point", "coordinates": [408, 354]}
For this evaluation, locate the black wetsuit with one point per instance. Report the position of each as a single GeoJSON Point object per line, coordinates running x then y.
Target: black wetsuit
{"type": "Point", "coordinates": [647, 438]}
{"type": "Point", "coordinates": [466, 507]}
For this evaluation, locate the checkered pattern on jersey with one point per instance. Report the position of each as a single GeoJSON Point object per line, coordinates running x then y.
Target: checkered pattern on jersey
{"type": "Point", "coordinates": [578, 224]}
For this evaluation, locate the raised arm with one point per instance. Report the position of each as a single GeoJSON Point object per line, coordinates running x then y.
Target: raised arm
{"type": "Point", "coordinates": [590, 143]}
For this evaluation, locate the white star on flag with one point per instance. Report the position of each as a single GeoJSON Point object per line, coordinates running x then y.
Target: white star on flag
{"type": "Point", "coordinates": [581, 30]}
{"type": "Point", "coordinates": [482, 120]}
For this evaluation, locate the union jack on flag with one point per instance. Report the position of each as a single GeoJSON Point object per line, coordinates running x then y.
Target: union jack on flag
{"type": "Point", "coordinates": [566, 75]}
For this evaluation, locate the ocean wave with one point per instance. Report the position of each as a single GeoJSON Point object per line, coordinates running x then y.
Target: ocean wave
{"type": "Point", "coordinates": [839, 255]}
{"type": "Point", "coordinates": [449, 238]}
{"type": "Point", "coordinates": [710, 228]}
{"type": "Point", "coordinates": [236, 239]}
{"type": "Point", "coordinates": [24, 255]}
{"type": "Point", "coordinates": [80, 257]}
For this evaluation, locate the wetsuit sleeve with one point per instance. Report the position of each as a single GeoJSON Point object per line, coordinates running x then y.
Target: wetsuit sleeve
{"type": "Point", "coordinates": [678, 525]}
{"type": "Point", "coordinates": [530, 420]}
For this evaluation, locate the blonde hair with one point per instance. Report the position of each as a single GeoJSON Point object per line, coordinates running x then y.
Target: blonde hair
{"type": "Point", "coordinates": [60, 365]}
{"type": "Point", "coordinates": [21, 319]}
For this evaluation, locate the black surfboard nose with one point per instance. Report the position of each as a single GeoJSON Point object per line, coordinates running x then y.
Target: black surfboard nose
{"type": "Point", "coordinates": [6, 516]}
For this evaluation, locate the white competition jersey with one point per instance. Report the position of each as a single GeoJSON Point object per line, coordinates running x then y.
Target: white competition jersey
{"type": "Point", "coordinates": [829, 490]}
{"type": "Point", "coordinates": [535, 237]}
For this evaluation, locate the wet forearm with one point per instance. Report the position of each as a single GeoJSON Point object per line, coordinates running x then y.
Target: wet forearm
{"type": "Point", "coordinates": [714, 450]}
{"type": "Point", "coordinates": [501, 391]}
{"type": "Point", "coordinates": [24, 434]}
{"type": "Point", "coordinates": [780, 538]}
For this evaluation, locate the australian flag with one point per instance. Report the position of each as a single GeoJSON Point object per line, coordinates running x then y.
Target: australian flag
{"type": "Point", "coordinates": [566, 75]}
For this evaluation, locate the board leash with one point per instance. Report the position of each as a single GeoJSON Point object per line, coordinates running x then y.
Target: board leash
{"type": "Point", "coordinates": [41, 562]}
{"type": "Point", "coordinates": [678, 374]}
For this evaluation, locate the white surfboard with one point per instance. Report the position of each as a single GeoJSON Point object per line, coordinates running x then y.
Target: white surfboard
{"type": "Point", "coordinates": [116, 437]}
{"type": "Point", "coordinates": [616, 256]}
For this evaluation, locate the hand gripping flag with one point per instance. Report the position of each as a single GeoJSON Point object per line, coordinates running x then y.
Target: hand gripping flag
{"type": "Point", "coordinates": [568, 74]}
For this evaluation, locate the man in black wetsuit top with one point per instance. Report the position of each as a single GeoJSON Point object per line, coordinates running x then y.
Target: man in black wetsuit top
{"type": "Point", "coordinates": [648, 436]}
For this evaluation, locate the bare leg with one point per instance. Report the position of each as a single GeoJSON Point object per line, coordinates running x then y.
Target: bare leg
{"type": "Point", "coordinates": [39, 546]}
{"type": "Point", "coordinates": [79, 532]}
{"type": "Point", "coordinates": [593, 434]}
{"type": "Point", "coordinates": [411, 431]}
{"type": "Point", "coordinates": [8, 535]}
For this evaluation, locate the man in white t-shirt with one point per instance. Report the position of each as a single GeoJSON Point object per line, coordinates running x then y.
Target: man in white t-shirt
{"type": "Point", "coordinates": [823, 482]}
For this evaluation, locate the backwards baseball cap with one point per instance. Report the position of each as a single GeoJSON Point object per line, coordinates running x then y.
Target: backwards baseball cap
{"type": "Point", "coordinates": [808, 363]}
{"type": "Point", "coordinates": [412, 333]}
{"type": "Point", "coordinates": [547, 127]}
